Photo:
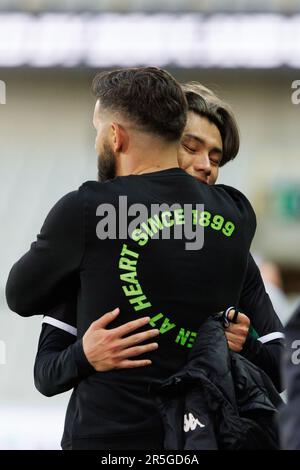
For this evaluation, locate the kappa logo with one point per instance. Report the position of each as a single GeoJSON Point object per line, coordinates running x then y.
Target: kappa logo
{"type": "Point", "coordinates": [190, 423]}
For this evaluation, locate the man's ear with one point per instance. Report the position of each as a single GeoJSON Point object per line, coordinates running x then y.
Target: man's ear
{"type": "Point", "coordinates": [119, 137]}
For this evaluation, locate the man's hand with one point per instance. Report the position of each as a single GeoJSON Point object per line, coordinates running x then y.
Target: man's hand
{"type": "Point", "coordinates": [236, 333]}
{"type": "Point", "coordinates": [107, 349]}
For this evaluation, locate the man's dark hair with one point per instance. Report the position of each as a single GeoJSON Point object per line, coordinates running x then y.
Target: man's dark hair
{"type": "Point", "coordinates": [148, 96]}
{"type": "Point", "coordinates": [206, 103]}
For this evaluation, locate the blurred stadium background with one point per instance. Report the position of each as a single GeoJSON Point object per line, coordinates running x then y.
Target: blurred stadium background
{"type": "Point", "coordinates": [247, 51]}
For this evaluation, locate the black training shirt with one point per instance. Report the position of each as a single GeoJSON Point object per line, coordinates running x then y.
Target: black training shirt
{"type": "Point", "coordinates": [143, 275]}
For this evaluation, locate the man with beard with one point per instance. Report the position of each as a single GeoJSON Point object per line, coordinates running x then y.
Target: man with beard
{"type": "Point", "coordinates": [139, 116]}
{"type": "Point", "coordinates": [210, 140]}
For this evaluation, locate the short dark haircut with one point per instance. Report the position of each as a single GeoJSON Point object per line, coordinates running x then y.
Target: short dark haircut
{"type": "Point", "coordinates": [206, 103]}
{"type": "Point", "coordinates": [148, 96]}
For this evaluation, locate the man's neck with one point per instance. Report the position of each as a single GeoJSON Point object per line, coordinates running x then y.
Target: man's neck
{"type": "Point", "coordinates": [143, 161]}
{"type": "Point", "coordinates": [153, 168]}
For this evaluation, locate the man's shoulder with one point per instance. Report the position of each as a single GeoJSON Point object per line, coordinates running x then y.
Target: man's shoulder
{"type": "Point", "coordinates": [90, 184]}
{"type": "Point", "coordinates": [239, 203]}
{"type": "Point", "coordinates": [98, 187]}
{"type": "Point", "coordinates": [71, 203]}
{"type": "Point", "coordinates": [234, 193]}
{"type": "Point", "coordinates": [236, 196]}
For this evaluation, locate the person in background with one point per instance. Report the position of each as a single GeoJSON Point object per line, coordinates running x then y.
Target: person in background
{"type": "Point", "coordinates": [272, 278]}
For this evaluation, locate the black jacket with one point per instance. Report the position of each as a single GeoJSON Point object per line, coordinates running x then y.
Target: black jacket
{"type": "Point", "coordinates": [141, 273]}
{"type": "Point", "coordinates": [218, 400]}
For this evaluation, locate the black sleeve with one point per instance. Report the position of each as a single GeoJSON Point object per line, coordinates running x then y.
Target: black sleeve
{"type": "Point", "coordinates": [265, 343]}
{"type": "Point", "coordinates": [290, 414]}
{"type": "Point", "coordinates": [60, 362]}
{"type": "Point", "coordinates": [43, 276]}
{"type": "Point", "coordinates": [64, 315]}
